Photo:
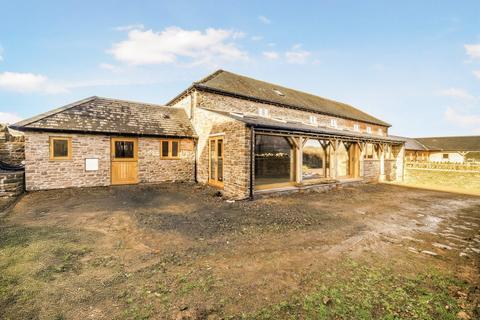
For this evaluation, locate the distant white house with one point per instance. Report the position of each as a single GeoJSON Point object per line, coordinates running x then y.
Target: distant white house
{"type": "Point", "coordinates": [443, 149]}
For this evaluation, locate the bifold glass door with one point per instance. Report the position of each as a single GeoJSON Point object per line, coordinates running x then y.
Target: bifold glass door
{"type": "Point", "coordinates": [216, 161]}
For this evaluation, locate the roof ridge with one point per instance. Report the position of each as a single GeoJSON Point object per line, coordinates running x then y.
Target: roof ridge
{"type": "Point", "coordinates": [210, 76]}
{"type": "Point", "coordinates": [50, 113]}
{"type": "Point", "coordinates": [131, 101]}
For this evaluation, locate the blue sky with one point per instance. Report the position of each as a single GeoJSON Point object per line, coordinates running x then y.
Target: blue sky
{"type": "Point", "coordinates": [414, 64]}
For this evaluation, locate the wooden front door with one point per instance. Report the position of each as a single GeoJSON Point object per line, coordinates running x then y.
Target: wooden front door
{"type": "Point", "coordinates": [124, 160]}
{"type": "Point", "coordinates": [215, 174]}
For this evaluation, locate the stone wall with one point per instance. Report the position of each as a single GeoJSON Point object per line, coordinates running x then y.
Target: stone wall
{"type": "Point", "coordinates": [390, 170]}
{"type": "Point", "coordinates": [236, 159]}
{"type": "Point", "coordinates": [12, 146]}
{"type": "Point", "coordinates": [152, 169]}
{"type": "Point", "coordinates": [43, 173]}
{"type": "Point", "coordinates": [230, 104]}
{"type": "Point", "coordinates": [371, 169]}
{"type": "Point", "coordinates": [11, 183]}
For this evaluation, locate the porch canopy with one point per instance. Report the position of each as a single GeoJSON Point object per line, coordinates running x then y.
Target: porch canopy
{"type": "Point", "coordinates": [295, 153]}
{"type": "Point", "coordinates": [273, 125]}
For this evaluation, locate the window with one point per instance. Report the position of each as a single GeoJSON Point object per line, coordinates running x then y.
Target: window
{"type": "Point", "coordinates": [273, 160]}
{"type": "Point", "coordinates": [169, 149]}
{"type": "Point", "coordinates": [356, 127]}
{"type": "Point", "coordinates": [124, 150]}
{"type": "Point", "coordinates": [445, 156]}
{"type": "Point", "coordinates": [263, 112]}
{"type": "Point", "coordinates": [313, 120]}
{"type": "Point", "coordinates": [380, 132]}
{"type": "Point", "coordinates": [369, 130]}
{"type": "Point", "coordinates": [333, 123]}
{"type": "Point", "coordinates": [60, 148]}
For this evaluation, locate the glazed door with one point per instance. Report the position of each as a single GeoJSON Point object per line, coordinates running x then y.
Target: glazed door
{"type": "Point", "coordinates": [124, 155]}
{"type": "Point", "coordinates": [215, 175]}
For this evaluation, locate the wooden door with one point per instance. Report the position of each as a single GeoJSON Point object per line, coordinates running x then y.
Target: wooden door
{"type": "Point", "coordinates": [215, 172]}
{"type": "Point", "coordinates": [124, 156]}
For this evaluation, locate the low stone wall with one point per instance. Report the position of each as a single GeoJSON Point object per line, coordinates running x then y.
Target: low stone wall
{"type": "Point", "coordinates": [318, 188]}
{"type": "Point", "coordinates": [11, 183]}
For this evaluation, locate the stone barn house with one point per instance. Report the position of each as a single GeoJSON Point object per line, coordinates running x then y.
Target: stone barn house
{"type": "Point", "coordinates": [460, 149]}
{"type": "Point", "coordinates": [238, 134]}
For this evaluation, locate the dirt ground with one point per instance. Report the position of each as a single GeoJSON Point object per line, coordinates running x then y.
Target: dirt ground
{"type": "Point", "coordinates": [176, 251]}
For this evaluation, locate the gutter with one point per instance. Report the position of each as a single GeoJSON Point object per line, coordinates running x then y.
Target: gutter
{"type": "Point", "coordinates": [325, 134]}
{"type": "Point", "coordinates": [108, 133]}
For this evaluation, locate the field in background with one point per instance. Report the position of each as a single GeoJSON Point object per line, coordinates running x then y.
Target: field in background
{"type": "Point", "coordinates": [455, 181]}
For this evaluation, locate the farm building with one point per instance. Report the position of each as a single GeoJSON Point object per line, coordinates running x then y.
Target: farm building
{"type": "Point", "coordinates": [443, 149]}
{"type": "Point", "coordinates": [239, 134]}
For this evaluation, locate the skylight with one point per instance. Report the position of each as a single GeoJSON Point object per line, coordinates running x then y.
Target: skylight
{"type": "Point", "coordinates": [280, 93]}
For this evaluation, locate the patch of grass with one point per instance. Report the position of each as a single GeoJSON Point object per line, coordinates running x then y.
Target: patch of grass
{"type": "Point", "coordinates": [65, 259]}
{"type": "Point", "coordinates": [362, 292]}
{"type": "Point", "coordinates": [461, 181]}
{"type": "Point", "coordinates": [29, 258]}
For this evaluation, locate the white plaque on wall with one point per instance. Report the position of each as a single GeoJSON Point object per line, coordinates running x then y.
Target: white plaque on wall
{"type": "Point", "coordinates": [91, 164]}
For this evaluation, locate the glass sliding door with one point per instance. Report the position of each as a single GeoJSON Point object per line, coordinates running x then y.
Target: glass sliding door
{"type": "Point", "coordinates": [273, 161]}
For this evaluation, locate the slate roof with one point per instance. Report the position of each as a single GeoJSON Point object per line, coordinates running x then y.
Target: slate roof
{"type": "Point", "coordinates": [294, 126]}
{"type": "Point", "coordinates": [111, 116]}
{"type": "Point", "coordinates": [461, 143]}
{"type": "Point", "coordinates": [224, 82]}
{"type": "Point", "coordinates": [412, 144]}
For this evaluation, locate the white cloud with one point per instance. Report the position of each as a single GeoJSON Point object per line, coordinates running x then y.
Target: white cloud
{"type": "Point", "coordinates": [477, 73]}
{"type": "Point", "coordinates": [297, 55]}
{"type": "Point", "coordinates": [271, 55]}
{"type": "Point", "coordinates": [9, 118]}
{"type": "Point", "coordinates": [264, 20]}
{"type": "Point", "coordinates": [149, 47]}
{"type": "Point", "coordinates": [109, 67]}
{"type": "Point", "coordinates": [463, 119]}
{"type": "Point", "coordinates": [130, 27]}
{"type": "Point", "coordinates": [473, 50]}
{"type": "Point", "coordinates": [28, 82]}
{"type": "Point", "coordinates": [457, 93]}
{"type": "Point", "coordinates": [256, 38]}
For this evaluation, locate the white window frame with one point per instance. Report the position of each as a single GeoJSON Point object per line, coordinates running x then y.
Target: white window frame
{"type": "Point", "coordinates": [333, 123]}
{"type": "Point", "coordinates": [263, 112]}
{"type": "Point", "coordinates": [313, 120]}
{"type": "Point", "coordinates": [369, 130]}
{"type": "Point", "coordinates": [380, 131]}
{"type": "Point", "coordinates": [356, 127]}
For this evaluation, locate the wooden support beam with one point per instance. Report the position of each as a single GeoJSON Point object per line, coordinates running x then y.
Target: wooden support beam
{"type": "Point", "coordinates": [334, 144]}
{"type": "Point", "coordinates": [304, 141]}
{"type": "Point", "coordinates": [361, 145]}
{"type": "Point", "coordinates": [293, 142]}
